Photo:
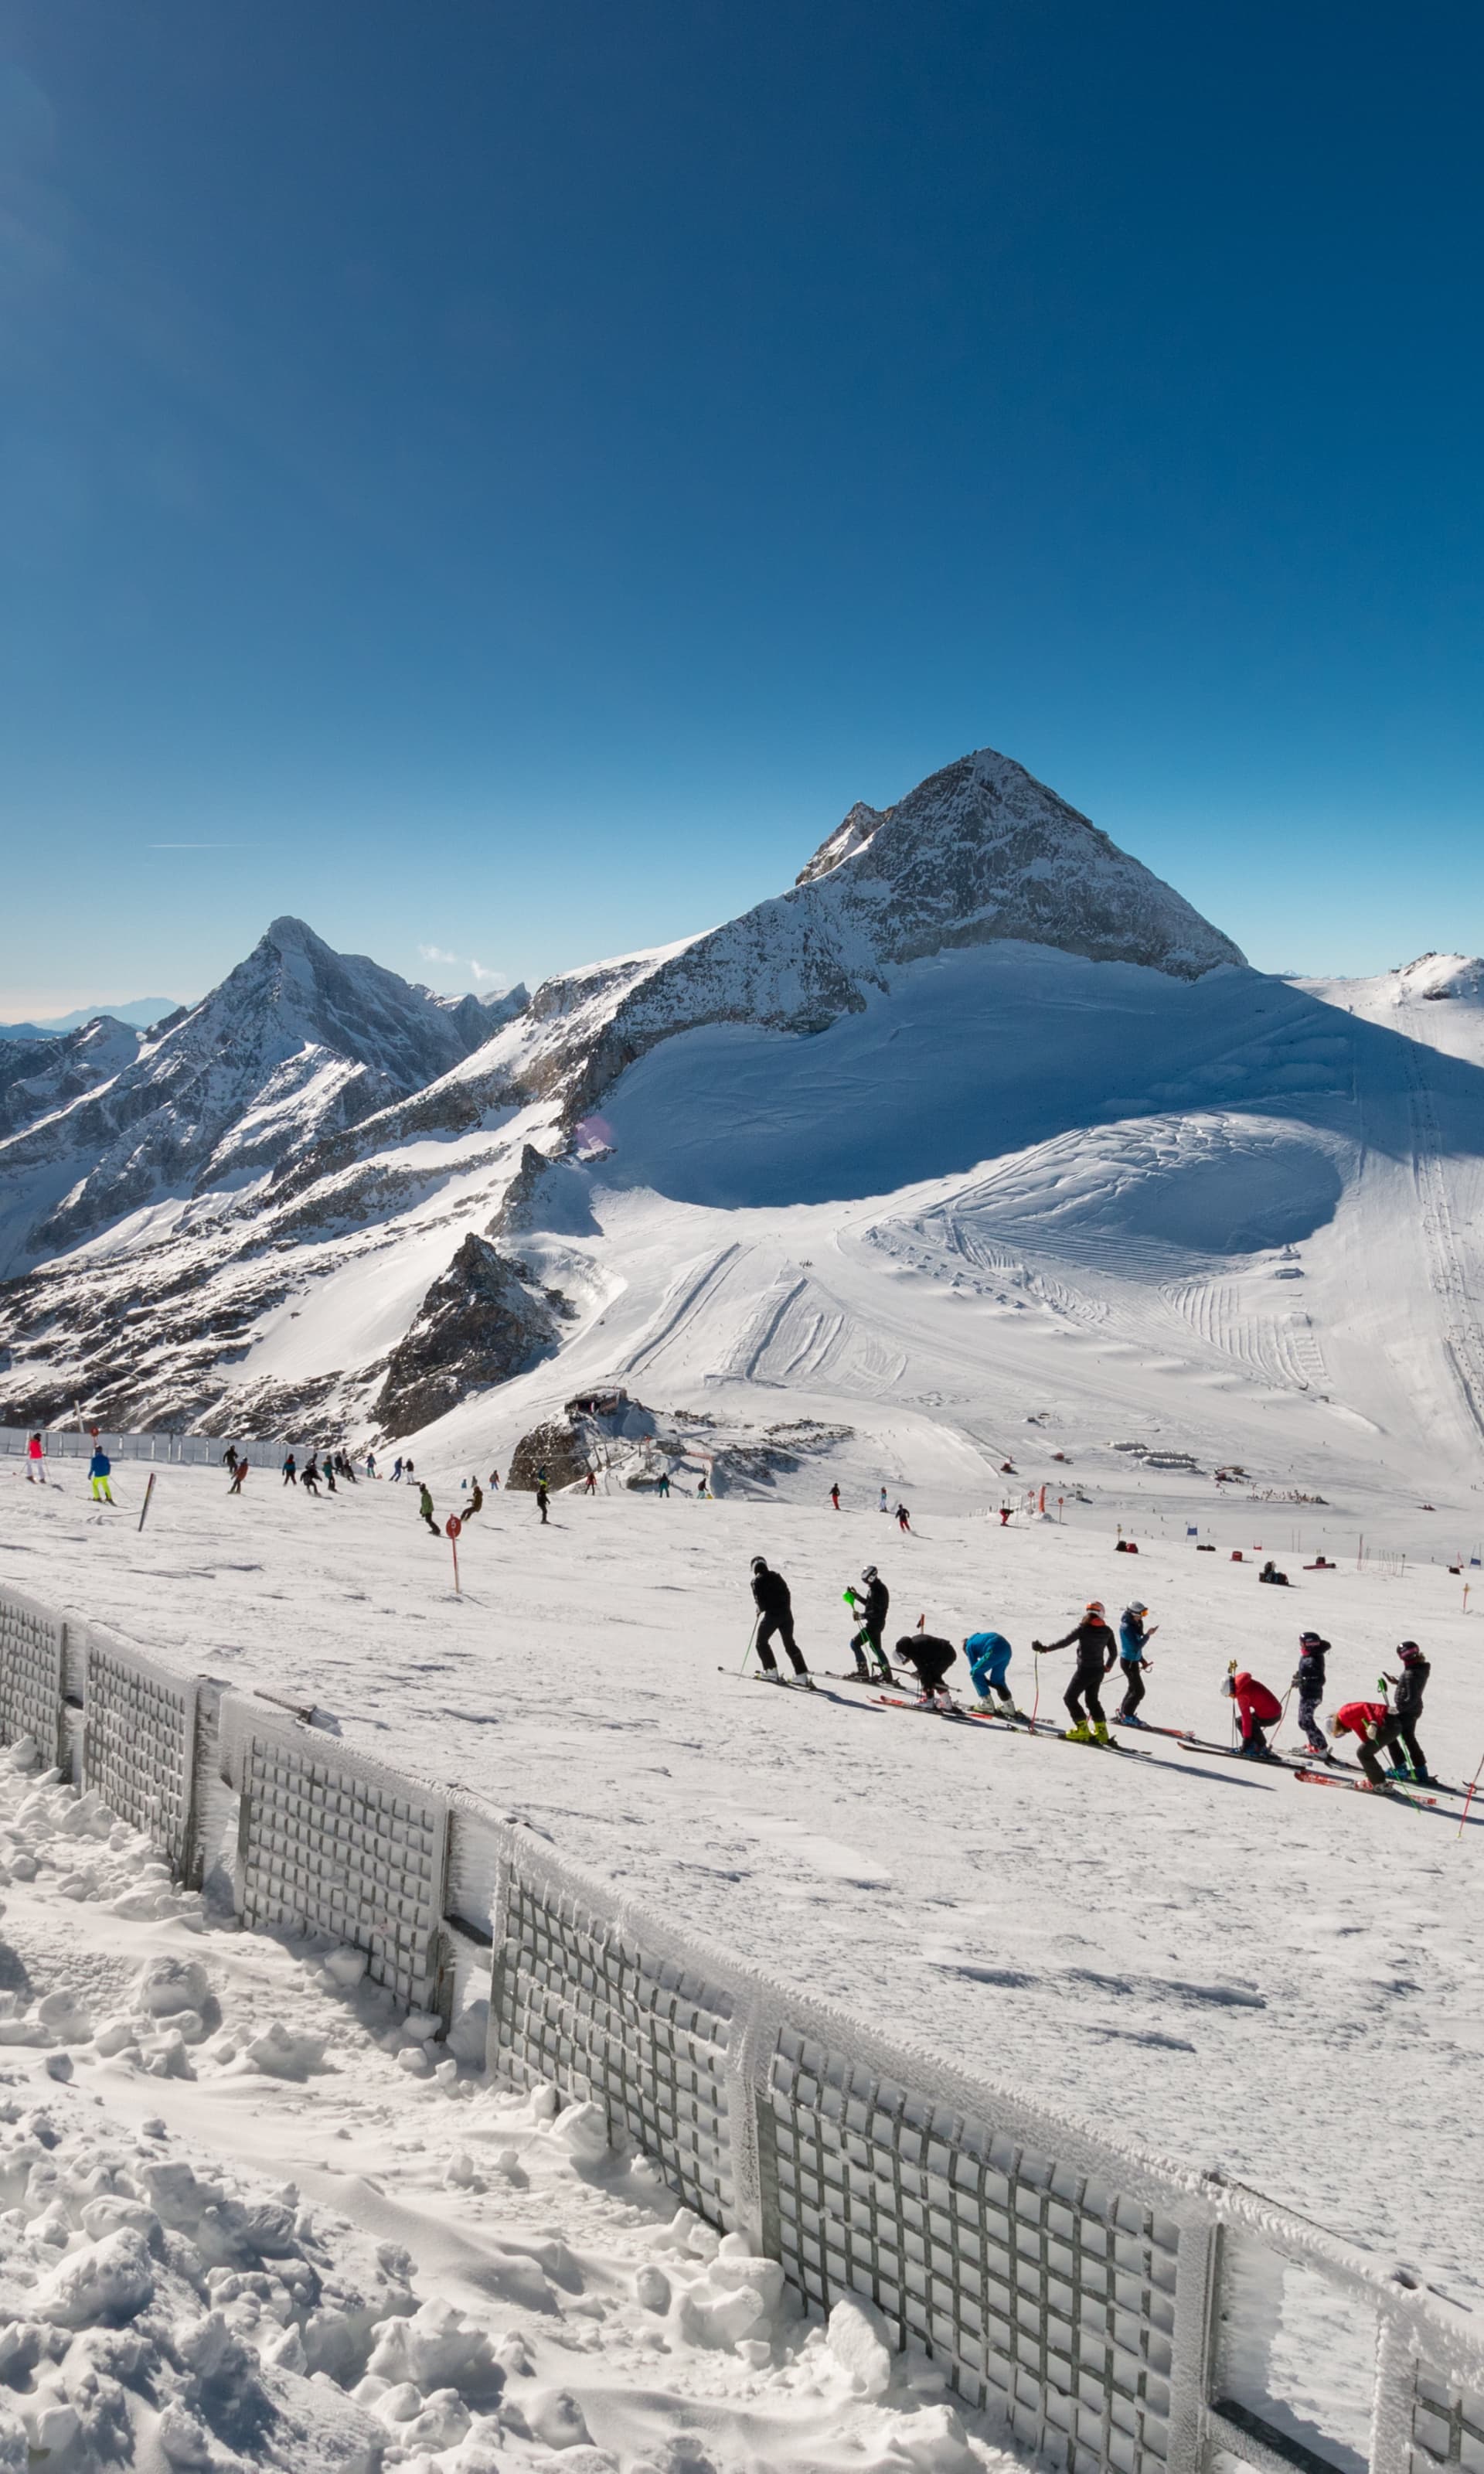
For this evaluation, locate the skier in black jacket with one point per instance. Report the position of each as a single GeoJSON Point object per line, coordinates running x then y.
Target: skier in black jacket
{"type": "Point", "coordinates": [871, 1612]}
{"type": "Point", "coordinates": [1309, 1676]}
{"type": "Point", "coordinates": [932, 1659]}
{"type": "Point", "coordinates": [775, 1614]}
{"type": "Point", "coordinates": [1406, 1705]}
{"type": "Point", "coordinates": [1098, 1651]}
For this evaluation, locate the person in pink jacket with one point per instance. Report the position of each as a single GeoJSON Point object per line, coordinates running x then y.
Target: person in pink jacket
{"type": "Point", "coordinates": [35, 1462]}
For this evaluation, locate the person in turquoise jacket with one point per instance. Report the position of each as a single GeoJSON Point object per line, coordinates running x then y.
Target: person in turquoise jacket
{"type": "Point", "coordinates": [989, 1655]}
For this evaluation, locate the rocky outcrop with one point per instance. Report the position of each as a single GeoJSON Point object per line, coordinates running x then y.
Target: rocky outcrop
{"type": "Point", "coordinates": [557, 1448]}
{"type": "Point", "coordinates": [478, 1324]}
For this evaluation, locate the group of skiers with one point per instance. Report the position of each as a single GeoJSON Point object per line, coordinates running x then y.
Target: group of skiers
{"type": "Point", "coordinates": [1387, 1726]}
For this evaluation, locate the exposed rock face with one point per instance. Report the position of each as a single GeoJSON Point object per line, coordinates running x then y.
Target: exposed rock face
{"type": "Point", "coordinates": [557, 1448]}
{"type": "Point", "coordinates": [544, 1194]}
{"type": "Point", "coordinates": [41, 1073]}
{"type": "Point", "coordinates": [478, 1324]}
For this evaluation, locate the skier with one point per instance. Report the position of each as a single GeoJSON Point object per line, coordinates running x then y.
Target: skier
{"type": "Point", "coordinates": [1005, 1510]}
{"type": "Point", "coordinates": [35, 1462]}
{"type": "Point", "coordinates": [1096, 1652]}
{"type": "Point", "coordinates": [932, 1659]}
{"type": "Point", "coordinates": [370, 1463]}
{"type": "Point", "coordinates": [772, 1597]}
{"type": "Point", "coordinates": [407, 1469]}
{"type": "Point", "coordinates": [494, 1481]}
{"type": "Point", "coordinates": [1375, 1730]}
{"type": "Point", "coordinates": [542, 1499]}
{"type": "Point", "coordinates": [98, 1468]}
{"type": "Point", "coordinates": [1273, 1576]}
{"type": "Point", "coordinates": [1133, 1636]}
{"type": "Point", "coordinates": [309, 1477]}
{"type": "Point", "coordinates": [1257, 1709]}
{"type": "Point", "coordinates": [476, 1498]}
{"type": "Point", "coordinates": [871, 1612]}
{"type": "Point", "coordinates": [329, 1472]}
{"type": "Point", "coordinates": [881, 1506]}
{"type": "Point", "coordinates": [290, 1470]}
{"type": "Point", "coordinates": [834, 1496]}
{"type": "Point", "coordinates": [425, 1510]}
{"type": "Point", "coordinates": [230, 1457]}
{"type": "Point", "coordinates": [989, 1655]}
{"type": "Point", "coordinates": [663, 1488]}
{"type": "Point", "coordinates": [590, 1481]}
{"type": "Point", "coordinates": [1407, 1707]}
{"type": "Point", "coordinates": [1310, 1682]}
{"type": "Point", "coordinates": [396, 1470]}
{"type": "Point", "coordinates": [904, 1523]}
{"type": "Point", "coordinates": [238, 1474]}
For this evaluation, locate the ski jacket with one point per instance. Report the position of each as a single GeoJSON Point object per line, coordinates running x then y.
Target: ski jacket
{"type": "Point", "coordinates": [100, 1465]}
{"type": "Point", "coordinates": [770, 1593]}
{"type": "Point", "coordinates": [34, 1449]}
{"type": "Point", "coordinates": [424, 1503]}
{"type": "Point", "coordinates": [1360, 1718]}
{"type": "Point", "coordinates": [873, 1608]}
{"type": "Point", "coordinates": [925, 1651]}
{"type": "Point", "coordinates": [984, 1645]}
{"type": "Point", "coordinates": [1132, 1637]}
{"type": "Point", "coordinates": [1309, 1676]}
{"type": "Point", "coordinates": [1406, 1698]}
{"type": "Point", "coordinates": [1254, 1701]}
{"type": "Point", "coordinates": [1096, 1647]}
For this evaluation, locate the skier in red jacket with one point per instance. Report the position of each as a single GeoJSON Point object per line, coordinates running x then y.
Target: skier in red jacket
{"type": "Point", "coordinates": [1374, 1728]}
{"type": "Point", "coordinates": [1257, 1709]}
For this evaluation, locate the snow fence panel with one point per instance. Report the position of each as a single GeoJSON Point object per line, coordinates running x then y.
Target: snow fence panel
{"type": "Point", "coordinates": [140, 1743]}
{"type": "Point", "coordinates": [33, 1653]}
{"type": "Point", "coordinates": [1447, 2423]}
{"type": "Point", "coordinates": [1295, 2355]}
{"type": "Point", "coordinates": [329, 1841]}
{"type": "Point", "coordinates": [580, 2002]}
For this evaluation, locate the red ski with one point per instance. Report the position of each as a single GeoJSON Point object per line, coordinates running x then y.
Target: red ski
{"type": "Point", "coordinates": [1362, 1786]}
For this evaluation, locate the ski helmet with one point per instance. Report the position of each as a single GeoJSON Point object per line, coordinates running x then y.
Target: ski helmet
{"type": "Point", "coordinates": [1304, 1638]}
{"type": "Point", "coordinates": [759, 1562]}
{"type": "Point", "coordinates": [1136, 1607]}
{"type": "Point", "coordinates": [1229, 1687]}
{"type": "Point", "coordinates": [1409, 1650]}
{"type": "Point", "coordinates": [1095, 1607]}
{"type": "Point", "coordinates": [871, 1573]}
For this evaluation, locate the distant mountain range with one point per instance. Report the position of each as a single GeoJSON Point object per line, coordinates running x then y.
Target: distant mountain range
{"type": "Point", "coordinates": [976, 1059]}
{"type": "Point", "coordinates": [141, 1012]}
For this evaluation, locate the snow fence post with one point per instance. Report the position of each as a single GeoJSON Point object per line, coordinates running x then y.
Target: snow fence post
{"type": "Point", "coordinates": [1193, 2341]}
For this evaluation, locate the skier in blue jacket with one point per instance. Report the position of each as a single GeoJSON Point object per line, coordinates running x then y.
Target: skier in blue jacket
{"type": "Point", "coordinates": [989, 1655]}
{"type": "Point", "coordinates": [98, 1470]}
{"type": "Point", "coordinates": [1133, 1635]}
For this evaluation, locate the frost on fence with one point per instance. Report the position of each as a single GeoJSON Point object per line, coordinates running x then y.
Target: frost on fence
{"type": "Point", "coordinates": [1042, 2292]}
{"type": "Point", "coordinates": [1447, 2424]}
{"type": "Point", "coordinates": [329, 1847]}
{"type": "Point", "coordinates": [31, 1684]}
{"type": "Point", "coordinates": [575, 2001]}
{"type": "Point", "coordinates": [139, 1746]}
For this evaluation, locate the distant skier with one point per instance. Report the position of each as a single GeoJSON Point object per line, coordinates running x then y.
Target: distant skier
{"type": "Point", "coordinates": [1257, 1709]}
{"type": "Point", "coordinates": [407, 1468]}
{"type": "Point", "coordinates": [590, 1481]}
{"type": "Point", "coordinates": [904, 1522]}
{"type": "Point", "coordinates": [834, 1496]}
{"type": "Point", "coordinates": [396, 1470]}
{"type": "Point", "coordinates": [98, 1468]}
{"type": "Point", "coordinates": [230, 1457]}
{"type": "Point", "coordinates": [329, 1472]}
{"type": "Point", "coordinates": [1273, 1576]}
{"type": "Point", "coordinates": [989, 1655]}
{"type": "Point", "coordinates": [871, 1612]}
{"type": "Point", "coordinates": [290, 1470]}
{"type": "Point", "coordinates": [881, 1506]}
{"type": "Point", "coordinates": [544, 1500]}
{"type": "Point", "coordinates": [494, 1481]}
{"type": "Point", "coordinates": [1374, 1728]}
{"type": "Point", "coordinates": [1407, 1690]}
{"type": "Point", "coordinates": [476, 1498]}
{"type": "Point", "coordinates": [239, 1473]}
{"type": "Point", "coordinates": [774, 1601]}
{"type": "Point", "coordinates": [309, 1477]}
{"type": "Point", "coordinates": [425, 1510]}
{"type": "Point", "coordinates": [1133, 1637]}
{"type": "Point", "coordinates": [1005, 1510]}
{"type": "Point", "coordinates": [1310, 1683]}
{"type": "Point", "coordinates": [1096, 1652]}
{"type": "Point", "coordinates": [931, 1657]}
{"type": "Point", "coordinates": [663, 1488]}
{"type": "Point", "coordinates": [35, 1462]}
{"type": "Point", "coordinates": [370, 1463]}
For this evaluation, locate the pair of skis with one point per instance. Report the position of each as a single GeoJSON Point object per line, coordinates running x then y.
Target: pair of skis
{"type": "Point", "coordinates": [1363, 1787]}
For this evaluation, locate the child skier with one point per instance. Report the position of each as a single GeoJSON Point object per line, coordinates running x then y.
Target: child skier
{"type": "Point", "coordinates": [1374, 1728]}
{"type": "Point", "coordinates": [1133, 1635]}
{"type": "Point", "coordinates": [871, 1612]}
{"type": "Point", "coordinates": [1096, 1652]}
{"type": "Point", "coordinates": [1310, 1682]}
{"type": "Point", "coordinates": [989, 1655]}
{"type": "Point", "coordinates": [1257, 1709]}
{"type": "Point", "coordinates": [1407, 1706]}
{"type": "Point", "coordinates": [98, 1468]}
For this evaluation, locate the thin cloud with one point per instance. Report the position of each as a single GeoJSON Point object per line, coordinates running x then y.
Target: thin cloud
{"type": "Point", "coordinates": [188, 846]}
{"type": "Point", "coordinates": [459, 962]}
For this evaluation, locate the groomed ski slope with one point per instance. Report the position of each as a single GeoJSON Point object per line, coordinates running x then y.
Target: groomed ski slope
{"type": "Point", "coordinates": [1281, 1979]}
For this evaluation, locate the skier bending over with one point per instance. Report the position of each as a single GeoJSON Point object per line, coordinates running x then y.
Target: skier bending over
{"type": "Point", "coordinates": [1407, 1707]}
{"type": "Point", "coordinates": [476, 1498]}
{"type": "Point", "coordinates": [1257, 1709]}
{"type": "Point", "coordinates": [775, 1605]}
{"type": "Point", "coordinates": [871, 1612]}
{"type": "Point", "coordinates": [1375, 1729]}
{"type": "Point", "coordinates": [98, 1468]}
{"type": "Point", "coordinates": [1133, 1636]}
{"type": "Point", "coordinates": [1096, 1652]}
{"type": "Point", "coordinates": [932, 1659]}
{"type": "Point", "coordinates": [426, 1509]}
{"type": "Point", "coordinates": [989, 1655]}
{"type": "Point", "coordinates": [1309, 1680]}
{"type": "Point", "coordinates": [309, 1477]}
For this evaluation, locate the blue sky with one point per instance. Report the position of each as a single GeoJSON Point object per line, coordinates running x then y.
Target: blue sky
{"type": "Point", "coordinates": [499, 480]}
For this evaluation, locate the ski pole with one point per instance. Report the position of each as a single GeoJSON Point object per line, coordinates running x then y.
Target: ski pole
{"type": "Point", "coordinates": [750, 1637]}
{"type": "Point", "coordinates": [145, 1512]}
{"type": "Point", "coordinates": [1469, 1798]}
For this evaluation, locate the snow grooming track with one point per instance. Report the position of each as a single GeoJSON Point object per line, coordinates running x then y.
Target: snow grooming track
{"type": "Point", "coordinates": [690, 1293]}
{"type": "Point", "coordinates": [1463, 1345]}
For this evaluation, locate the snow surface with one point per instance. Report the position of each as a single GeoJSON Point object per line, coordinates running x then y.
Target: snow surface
{"type": "Point", "coordinates": [1280, 1980]}
{"type": "Point", "coordinates": [255, 2219]}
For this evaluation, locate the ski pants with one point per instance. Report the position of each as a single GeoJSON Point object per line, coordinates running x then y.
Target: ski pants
{"type": "Point", "coordinates": [290, 1478]}
{"type": "Point", "coordinates": [869, 1638]}
{"type": "Point", "coordinates": [987, 1668]}
{"type": "Point", "coordinates": [1253, 1739]}
{"type": "Point", "coordinates": [1134, 1686]}
{"type": "Point", "coordinates": [432, 1525]}
{"type": "Point", "coordinates": [235, 1486]}
{"type": "Point", "coordinates": [1085, 1685]}
{"type": "Point", "coordinates": [101, 1491]}
{"type": "Point", "coordinates": [784, 1626]}
{"type": "Point", "coordinates": [1403, 1733]}
{"type": "Point", "coordinates": [1314, 1734]}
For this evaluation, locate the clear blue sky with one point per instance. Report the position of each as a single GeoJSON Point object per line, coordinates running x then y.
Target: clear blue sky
{"type": "Point", "coordinates": [504, 478]}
